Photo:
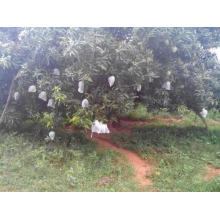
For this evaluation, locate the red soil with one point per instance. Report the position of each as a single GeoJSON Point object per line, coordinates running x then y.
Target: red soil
{"type": "Point", "coordinates": [142, 168]}
{"type": "Point", "coordinates": [132, 123]}
{"type": "Point", "coordinates": [212, 172]}
{"type": "Point", "coordinates": [216, 122]}
{"type": "Point", "coordinates": [171, 120]}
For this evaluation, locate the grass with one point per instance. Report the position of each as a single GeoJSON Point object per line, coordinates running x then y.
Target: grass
{"type": "Point", "coordinates": [139, 113]}
{"type": "Point", "coordinates": [180, 152]}
{"type": "Point", "coordinates": [27, 165]}
{"type": "Point", "coordinates": [214, 114]}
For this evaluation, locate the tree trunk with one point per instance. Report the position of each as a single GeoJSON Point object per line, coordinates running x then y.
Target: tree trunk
{"type": "Point", "coordinates": [8, 100]}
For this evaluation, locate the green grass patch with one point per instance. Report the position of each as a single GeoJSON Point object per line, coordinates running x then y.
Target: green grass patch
{"type": "Point", "coordinates": [214, 114]}
{"type": "Point", "coordinates": [29, 165]}
{"type": "Point", "coordinates": [139, 113]}
{"type": "Point", "coordinates": [180, 152]}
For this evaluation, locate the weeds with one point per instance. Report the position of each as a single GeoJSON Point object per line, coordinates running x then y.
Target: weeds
{"type": "Point", "coordinates": [180, 151]}
{"type": "Point", "coordinates": [139, 113]}
{"type": "Point", "coordinates": [36, 166]}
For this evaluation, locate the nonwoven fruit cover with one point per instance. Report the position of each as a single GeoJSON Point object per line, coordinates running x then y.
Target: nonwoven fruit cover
{"type": "Point", "coordinates": [32, 88]}
{"type": "Point", "coordinates": [51, 103]}
{"type": "Point", "coordinates": [111, 80]}
{"type": "Point", "coordinates": [16, 96]}
{"type": "Point", "coordinates": [81, 87]}
{"type": "Point", "coordinates": [99, 127]}
{"type": "Point", "coordinates": [166, 85]}
{"type": "Point", "coordinates": [52, 135]}
{"type": "Point", "coordinates": [204, 113]}
{"type": "Point", "coordinates": [85, 103]}
{"type": "Point", "coordinates": [43, 96]}
{"type": "Point", "coordinates": [56, 72]}
{"type": "Point", "coordinates": [139, 88]}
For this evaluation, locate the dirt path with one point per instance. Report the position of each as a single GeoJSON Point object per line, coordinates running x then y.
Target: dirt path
{"type": "Point", "coordinates": [212, 172]}
{"type": "Point", "coordinates": [142, 167]}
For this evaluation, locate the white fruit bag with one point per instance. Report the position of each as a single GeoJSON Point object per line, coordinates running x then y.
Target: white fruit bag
{"type": "Point", "coordinates": [99, 127]}
{"type": "Point", "coordinates": [56, 72]}
{"type": "Point", "coordinates": [204, 113]}
{"type": "Point", "coordinates": [111, 80]}
{"type": "Point", "coordinates": [174, 49]}
{"type": "Point", "coordinates": [85, 103]}
{"type": "Point", "coordinates": [169, 73]}
{"type": "Point", "coordinates": [139, 88]}
{"type": "Point", "coordinates": [16, 96]}
{"type": "Point", "coordinates": [32, 88]}
{"type": "Point", "coordinates": [43, 96]}
{"type": "Point", "coordinates": [167, 42]}
{"type": "Point", "coordinates": [51, 103]}
{"type": "Point", "coordinates": [52, 135]}
{"type": "Point", "coordinates": [166, 85]}
{"type": "Point", "coordinates": [81, 87]}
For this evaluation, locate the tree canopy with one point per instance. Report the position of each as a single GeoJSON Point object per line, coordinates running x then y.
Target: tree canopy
{"type": "Point", "coordinates": [173, 66]}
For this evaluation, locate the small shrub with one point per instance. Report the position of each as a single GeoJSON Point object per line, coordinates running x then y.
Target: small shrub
{"type": "Point", "coordinates": [139, 113]}
{"type": "Point", "coordinates": [214, 114]}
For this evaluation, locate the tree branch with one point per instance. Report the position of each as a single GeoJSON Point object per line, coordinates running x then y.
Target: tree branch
{"type": "Point", "coordinates": [8, 100]}
{"type": "Point", "coordinates": [204, 121]}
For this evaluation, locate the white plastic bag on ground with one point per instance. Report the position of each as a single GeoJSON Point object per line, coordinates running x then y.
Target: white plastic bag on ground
{"type": "Point", "coordinates": [51, 103]}
{"type": "Point", "coordinates": [43, 96]}
{"type": "Point", "coordinates": [99, 127]}
{"type": "Point", "coordinates": [111, 80]}
{"type": "Point", "coordinates": [204, 113]}
{"type": "Point", "coordinates": [16, 96]}
{"type": "Point", "coordinates": [32, 88]}
{"type": "Point", "coordinates": [56, 72]}
{"type": "Point", "coordinates": [85, 103]}
{"type": "Point", "coordinates": [166, 85]}
{"type": "Point", "coordinates": [81, 87]}
{"type": "Point", "coordinates": [52, 135]}
{"type": "Point", "coordinates": [139, 88]}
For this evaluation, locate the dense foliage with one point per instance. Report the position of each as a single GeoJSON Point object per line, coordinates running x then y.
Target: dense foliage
{"type": "Point", "coordinates": [56, 59]}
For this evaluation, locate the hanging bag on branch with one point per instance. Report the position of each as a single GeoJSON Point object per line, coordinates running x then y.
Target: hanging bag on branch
{"type": "Point", "coordinates": [167, 86]}
{"type": "Point", "coordinates": [32, 88]}
{"type": "Point", "coordinates": [139, 88]}
{"type": "Point", "coordinates": [52, 135]}
{"type": "Point", "coordinates": [51, 103]}
{"type": "Point", "coordinates": [99, 127]}
{"type": "Point", "coordinates": [85, 103]}
{"type": "Point", "coordinates": [81, 87]}
{"type": "Point", "coordinates": [56, 72]}
{"type": "Point", "coordinates": [111, 80]}
{"type": "Point", "coordinates": [43, 96]}
{"type": "Point", "coordinates": [16, 96]}
{"type": "Point", "coordinates": [174, 49]}
{"type": "Point", "coordinates": [204, 113]}
{"type": "Point", "coordinates": [167, 42]}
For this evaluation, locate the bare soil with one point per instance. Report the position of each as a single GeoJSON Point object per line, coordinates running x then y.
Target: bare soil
{"type": "Point", "coordinates": [142, 168]}
{"type": "Point", "coordinates": [212, 172]}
